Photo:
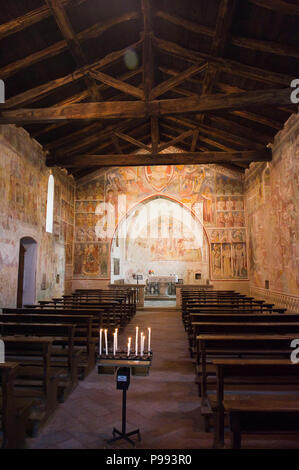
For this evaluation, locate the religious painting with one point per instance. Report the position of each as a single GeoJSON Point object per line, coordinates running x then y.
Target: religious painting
{"type": "Point", "coordinates": [229, 261]}
{"type": "Point", "coordinates": [213, 195]}
{"type": "Point", "coordinates": [159, 176]}
{"type": "Point", "coordinates": [228, 186]}
{"type": "Point", "coordinates": [91, 260]}
{"type": "Point", "coordinates": [239, 260]}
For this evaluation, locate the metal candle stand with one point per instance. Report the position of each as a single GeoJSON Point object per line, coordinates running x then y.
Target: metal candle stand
{"type": "Point", "coordinates": [123, 365]}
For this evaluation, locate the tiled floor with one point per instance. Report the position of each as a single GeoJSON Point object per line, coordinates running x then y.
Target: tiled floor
{"type": "Point", "coordinates": [164, 405]}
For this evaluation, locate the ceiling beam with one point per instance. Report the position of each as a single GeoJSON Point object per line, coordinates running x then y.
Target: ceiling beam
{"type": "Point", "coordinates": [182, 158]}
{"type": "Point", "coordinates": [174, 81]}
{"type": "Point", "coordinates": [132, 141]}
{"type": "Point", "coordinates": [140, 109]}
{"type": "Point", "coordinates": [73, 43]}
{"type": "Point", "coordinates": [278, 5]}
{"type": "Point", "coordinates": [226, 65]}
{"type": "Point", "coordinates": [32, 17]}
{"type": "Point", "coordinates": [58, 47]}
{"type": "Point", "coordinates": [174, 140]}
{"type": "Point", "coordinates": [239, 41]}
{"type": "Point", "coordinates": [155, 134]}
{"type": "Point", "coordinates": [118, 84]}
{"type": "Point", "coordinates": [223, 25]}
{"type": "Point", "coordinates": [40, 91]}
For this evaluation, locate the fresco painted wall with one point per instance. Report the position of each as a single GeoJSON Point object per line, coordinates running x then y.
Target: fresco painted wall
{"type": "Point", "coordinates": [23, 196]}
{"type": "Point", "coordinates": [214, 194]}
{"type": "Point", "coordinates": [272, 197]}
{"type": "Point", "coordinates": [162, 236]}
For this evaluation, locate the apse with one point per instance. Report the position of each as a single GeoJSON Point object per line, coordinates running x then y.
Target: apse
{"type": "Point", "coordinates": [162, 236]}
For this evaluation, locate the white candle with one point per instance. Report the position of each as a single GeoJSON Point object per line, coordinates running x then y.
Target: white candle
{"type": "Point", "coordinates": [100, 342]}
{"type": "Point", "coordinates": [129, 346]}
{"type": "Point", "coordinates": [114, 343]}
{"type": "Point", "coordinates": [136, 341]}
{"type": "Point", "coordinates": [106, 342]}
{"type": "Point", "coordinates": [149, 340]}
{"type": "Point", "coordinates": [141, 344]}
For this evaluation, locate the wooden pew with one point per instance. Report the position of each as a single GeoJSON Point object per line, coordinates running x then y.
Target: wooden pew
{"type": "Point", "coordinates": [63, 355]}
{"type": "Point", "coordinates": [234, 346]}
{"type": "Point", "coordinates": [83, 338]}
{"type": "Point", "coordinates": [36, 380]}
{"type": "Point", "coordinates": [14, 413]}
{"type": "Point", "coordinates": [255, 413]}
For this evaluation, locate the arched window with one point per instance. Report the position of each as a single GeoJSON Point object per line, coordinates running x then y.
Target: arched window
{"type": "Point", "coordinates": [50, 205]}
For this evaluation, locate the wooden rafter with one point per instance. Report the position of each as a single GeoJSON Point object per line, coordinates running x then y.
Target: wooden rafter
{"type": "Point", "coordinates": [223, 24]}
{"type": "Point", "coordinates": [226, 65]}
{"type": "Point", "coordinates": [73, 44]}
{"type": "Point", "coordinates": [118, 84]}
{"type": "Point", "coordinates": [59, 47]}
{"type": "Point", "coordinates": [239, 41]}
{"type": "Point", "coordinates": [132, 141]}
{"type": "Point", "coordinates": [278, 5]}
{"type": "Point", "coordinates": [141, 109]}
{"type": "Point", "coordinates": [36, 93]}
{"type": "Point", "coordinates": [174, 81]}
{"type": "Point", "coordinates": [165, 159]}
{"type": "Point", "coordinates": [32, 17]}
{"type": "Point", "coordinates": [175, 140]}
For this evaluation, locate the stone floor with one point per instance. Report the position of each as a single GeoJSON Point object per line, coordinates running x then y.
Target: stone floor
{"type": "Point", "coordinates": [164, 405]}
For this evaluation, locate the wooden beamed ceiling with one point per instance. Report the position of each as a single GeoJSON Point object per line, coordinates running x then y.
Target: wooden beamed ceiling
{"type": "Point", "coordinates": [208, 77]}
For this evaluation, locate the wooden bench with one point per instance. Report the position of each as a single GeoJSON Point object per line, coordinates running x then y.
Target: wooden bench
{"type": "Point", "coordinates": [254, 412]}
{"type": "Point", "coordinates": [83, 338]}
{"type": "Point", "coordinates": [36, 380]}
{"type": "Point", "coordinates": [211, 347]}
{"type": "Point", "coordinates": [63, 355]}
{"type": "Point", "coordinates": [14, 413]}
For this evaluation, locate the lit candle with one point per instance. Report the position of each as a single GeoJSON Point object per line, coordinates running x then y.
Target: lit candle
{"type": "Point", "coordinates": [141, 344]}
{"type": "Point", "coordinates": [149, 340]}
{"type": "Point", "coordinates": [114, 343]}
{"type": "Point", "coordinates": [136, 341]}
{"type": "Point", "coordinates": [106, 342]}
{"type": "Point", "coordinates": [100, 342]}
{"type": "Point", "coordinates": [129, 346]}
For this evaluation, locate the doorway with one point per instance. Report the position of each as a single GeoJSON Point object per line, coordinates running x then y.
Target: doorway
{"type": "Point", "coordinates": [27, 272]}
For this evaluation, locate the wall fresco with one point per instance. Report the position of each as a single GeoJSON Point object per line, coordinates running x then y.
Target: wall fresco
{"type": "Point", "coordinates": [23, 192]}
{"type": "Point", "coordinates": [213, 194]}
{"type": "Point", "coordinates": [272, 195]}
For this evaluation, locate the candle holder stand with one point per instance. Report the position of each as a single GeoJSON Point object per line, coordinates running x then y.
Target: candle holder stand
{"type": "Point", "coordinates": [124, 365]}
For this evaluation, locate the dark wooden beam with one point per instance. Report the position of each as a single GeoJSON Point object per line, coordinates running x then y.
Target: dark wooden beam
{"type": "Point", "coordinates": [43, 90]}
{"type": "Point", "coordinates": [73, 43]}
{"type": "Point", "coordinates": [118, 84]}
{"type": "Point", "coordinates": [32, 17]}
{"type": "Point", "coordinates": [115, 141]}
{"type": "Point", "coordinates": [174, 81]}
{"type": "Point", "coordinates": [226, 65]}
{"type": "Point", "coordinates": [174, 140]}
{"type": "Point", "coordinates": [148, 57]}
{"type": "Point", "coordinates": [140, 109]}
{"type": "Point", "coordinates": [278, 5]}
{"type": "Point", "coordinates": [245, 42]}
{"type": "Point", "coordinates": [155, 134]}
{"type": "Point", "coordinates": [184, 158]}
{"type": "Point", "coordinates": [223, 24]}
{"type": "Point", "coordinates": [194, 140]}
{"type": "Point", "coordinates": [132, 141]}
{"type": "Point", "coordinates": [57, 48]}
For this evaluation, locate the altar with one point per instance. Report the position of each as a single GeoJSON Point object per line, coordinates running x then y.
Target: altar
{"type": "Point", "coordinates": [161, 283]}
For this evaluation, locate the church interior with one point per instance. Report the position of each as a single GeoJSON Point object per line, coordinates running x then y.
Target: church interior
{"type": "Point", "coordinates": [149, 190]}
